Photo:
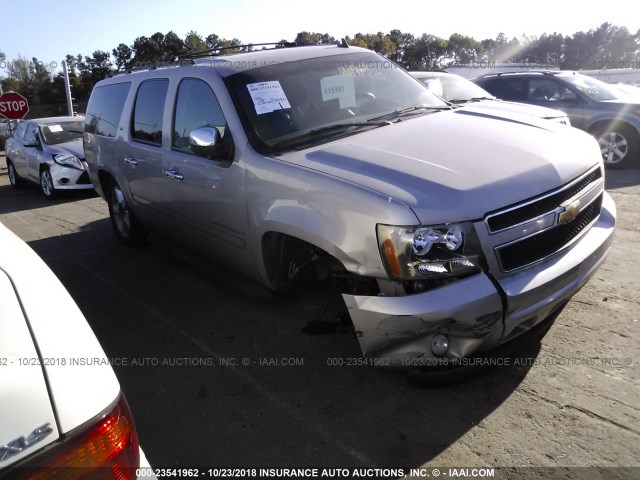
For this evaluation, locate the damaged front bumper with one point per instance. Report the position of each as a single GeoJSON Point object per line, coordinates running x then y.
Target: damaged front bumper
{"type": "Point", "coordinates": [479, 313]}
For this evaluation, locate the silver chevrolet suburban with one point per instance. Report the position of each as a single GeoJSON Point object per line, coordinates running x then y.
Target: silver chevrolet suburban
{"type": "Point", "coordinates": [450, 232]}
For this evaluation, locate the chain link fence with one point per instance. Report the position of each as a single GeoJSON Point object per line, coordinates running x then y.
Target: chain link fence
{"type": "Point", "coordinates": [54, 110]}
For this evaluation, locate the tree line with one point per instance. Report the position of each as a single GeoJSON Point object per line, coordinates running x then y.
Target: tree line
{"type": "Point", "coordinates": [605, 45]}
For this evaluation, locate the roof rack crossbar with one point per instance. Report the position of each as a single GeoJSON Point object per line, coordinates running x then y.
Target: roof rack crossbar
{"type": "Point", "coordinates": [233, 47]}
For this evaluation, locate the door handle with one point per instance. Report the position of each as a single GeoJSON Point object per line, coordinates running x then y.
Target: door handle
{"type": "Point", "coordinates": [131, 160]}
{"type": "Point", "coordinates": [174, 174]}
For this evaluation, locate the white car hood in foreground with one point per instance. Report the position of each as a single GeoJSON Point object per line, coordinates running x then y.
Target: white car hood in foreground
{"type": "Point", "coordinates": [60, 332]}
{"type": "Point", "coordinates": [457, 165]}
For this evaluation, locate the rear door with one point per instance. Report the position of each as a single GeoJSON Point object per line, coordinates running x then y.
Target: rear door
{"type": "Point", "coordinates": [142, 165]}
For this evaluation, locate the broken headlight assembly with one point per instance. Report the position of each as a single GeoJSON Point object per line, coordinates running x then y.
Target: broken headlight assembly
{"type": "Point", "coordinates": [426, 252]}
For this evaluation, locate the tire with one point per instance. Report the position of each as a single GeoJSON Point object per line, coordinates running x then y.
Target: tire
{"type": "Point", "coordinates": [618, 145]}
{"type": "Point", "coordinates": [14, 179]}
{"type": "Point", "coordinates": [46, 184]}
{"type": "Point", "coordinates": [126, 225]}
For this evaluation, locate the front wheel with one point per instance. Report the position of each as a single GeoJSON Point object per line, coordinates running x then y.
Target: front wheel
{"type": "Point", "coordinates": [618, 145]}
{"type": "Point", "coordinates": [46, 184]}
{"type": "Point", "coordinates": [126, 225]}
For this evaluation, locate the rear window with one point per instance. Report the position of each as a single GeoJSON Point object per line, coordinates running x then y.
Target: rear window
{"type": "Point", "coordinates": [105, 109]}
{"type": "Point", "coordinates": [57, 133]}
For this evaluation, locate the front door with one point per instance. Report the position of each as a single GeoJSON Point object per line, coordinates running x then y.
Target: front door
{"type": "Point", "coordinates": [206, 197]}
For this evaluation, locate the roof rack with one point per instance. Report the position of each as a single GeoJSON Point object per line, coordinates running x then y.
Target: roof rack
{"type": "Point", "coordinates": [188, 58]}
{"type": "Point", "coordinates": [281, 44]}
{"type": "Point", "coordinates": [521, 72]}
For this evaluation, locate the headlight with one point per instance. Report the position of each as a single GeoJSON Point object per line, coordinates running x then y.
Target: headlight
{"type": "Point", "coordinates": [67, 160]}
{"type": "Point", "coordinates": [426, 252]}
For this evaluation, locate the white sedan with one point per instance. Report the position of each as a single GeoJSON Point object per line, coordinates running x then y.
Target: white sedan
{"type": "Point", "coordinates": [60, 401]}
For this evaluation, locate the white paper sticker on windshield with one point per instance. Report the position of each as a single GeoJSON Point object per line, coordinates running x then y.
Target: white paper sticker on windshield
{"type": "Point", "coordinates": [340, 87]}
{"type": "Point", "coordinates": [54, 128]}
{"type": "Point", "coordinates": [268, 96]}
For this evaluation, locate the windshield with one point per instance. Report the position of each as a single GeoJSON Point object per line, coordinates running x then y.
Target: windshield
{"type": "Point", "coordinates": [299, 103]}
{"type": "Point", "coordinates": [63, 132]}
{"type": "Point", "coordinates": [594, 89]}
{"type": "Point", "coordinates": [454, 88]}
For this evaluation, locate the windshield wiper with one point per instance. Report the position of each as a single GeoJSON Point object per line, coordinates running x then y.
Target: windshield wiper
{"type": "Point", "coordinates": [467, 100]}
{"type": "Point", "coordinates": [409, 110]}
{"type": "Point", "coordinates": [330, 128]}
{"type": "Point", "coordinates": [340, 126]}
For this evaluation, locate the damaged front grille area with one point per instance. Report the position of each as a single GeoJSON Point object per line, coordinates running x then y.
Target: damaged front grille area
{"type": "Point", "coordinates": [548, 242]}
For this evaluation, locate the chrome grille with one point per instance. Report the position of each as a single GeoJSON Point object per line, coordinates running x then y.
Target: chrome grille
{"type": "Point", "coordinates": [537, 247]}
{"type": "Point", "coordinates": [517, 214]}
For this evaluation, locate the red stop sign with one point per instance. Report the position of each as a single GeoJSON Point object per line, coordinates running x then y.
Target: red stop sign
{"type": "Point", "coordinates": [13, 106]}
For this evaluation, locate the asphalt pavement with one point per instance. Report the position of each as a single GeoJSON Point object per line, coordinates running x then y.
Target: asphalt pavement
{"type": "Point", "coordinates": [216, 378]}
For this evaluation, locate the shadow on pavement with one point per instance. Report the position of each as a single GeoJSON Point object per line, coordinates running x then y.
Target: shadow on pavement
{"type": "Point", "coordinates": [215, 378]}
{"type": "Point", "coordinates": [29, 196]}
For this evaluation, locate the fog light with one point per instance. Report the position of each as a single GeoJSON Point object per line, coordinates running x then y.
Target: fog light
{"type": "Point", "coordinates": [439, 344]}
{"type": "Point", "coordinates": [64, 180]}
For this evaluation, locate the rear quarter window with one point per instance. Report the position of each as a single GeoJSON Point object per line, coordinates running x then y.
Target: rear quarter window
{"type": "Point", "coordinates": [105, 109]}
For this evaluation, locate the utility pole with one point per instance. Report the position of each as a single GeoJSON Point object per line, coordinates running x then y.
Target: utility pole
{"type": "Point", "coordinates": [67, 88]}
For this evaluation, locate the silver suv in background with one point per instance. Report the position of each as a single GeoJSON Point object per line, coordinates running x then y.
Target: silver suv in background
{"type": "Point", "coordinates": [448, 233]}
{"type": "Point", "coordinates": [611, 116]}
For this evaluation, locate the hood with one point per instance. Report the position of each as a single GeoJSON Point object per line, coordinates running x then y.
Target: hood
{"type": "Point", "coordinates": [499, 106]}
{"type": "Point", "coordinates": [72, 148]}
{"type": "Point", "coordinates": [457, 165]}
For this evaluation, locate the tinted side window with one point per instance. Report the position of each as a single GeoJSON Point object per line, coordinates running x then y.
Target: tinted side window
{"type": "Point", "coordinates": [196, 106]}
{"type": "Point", "coordinates": [30, 134]}
{"type": "Point", "coordinates": [545, 89]}
{"type": "Point", "coordinates": [508, 88]}
{"type": "Point", "coordinates": [149, 110]}
{"type": "Point", "coordinates": [20, 130]}
{"type": "Point", "coordinates": [105, 109]}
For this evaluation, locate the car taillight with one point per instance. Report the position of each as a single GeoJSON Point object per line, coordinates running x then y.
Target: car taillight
{"type": "Point", "coordinates": [106, 449]}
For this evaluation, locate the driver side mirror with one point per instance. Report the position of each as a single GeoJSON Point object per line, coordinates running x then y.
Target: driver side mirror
{"type": "Point", "coordinates": [206, 142]}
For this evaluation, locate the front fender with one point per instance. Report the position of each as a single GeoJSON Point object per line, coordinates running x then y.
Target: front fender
{"type": "Point", "coordinates": [328, 212]}
{"type": "Point", "coordinates": [614, 118]}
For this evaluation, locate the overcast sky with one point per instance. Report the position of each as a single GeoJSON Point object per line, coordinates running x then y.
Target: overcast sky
{"type": "Point", "coordinates": [50, 30]}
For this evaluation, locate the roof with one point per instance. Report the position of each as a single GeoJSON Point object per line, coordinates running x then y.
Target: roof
{"type": "Point", "coordinates": [229, 64]}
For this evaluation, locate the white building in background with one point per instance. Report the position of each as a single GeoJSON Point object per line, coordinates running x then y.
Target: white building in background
{"type": "Point", "coordinates": [629, 76]}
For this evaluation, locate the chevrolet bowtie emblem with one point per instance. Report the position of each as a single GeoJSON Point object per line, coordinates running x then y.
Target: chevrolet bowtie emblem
{"type": "Point", "coordinates": [569, 212]}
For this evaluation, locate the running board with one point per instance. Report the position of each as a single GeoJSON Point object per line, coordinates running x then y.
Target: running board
{"type": "Point", "coordinates": [218, 272]}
